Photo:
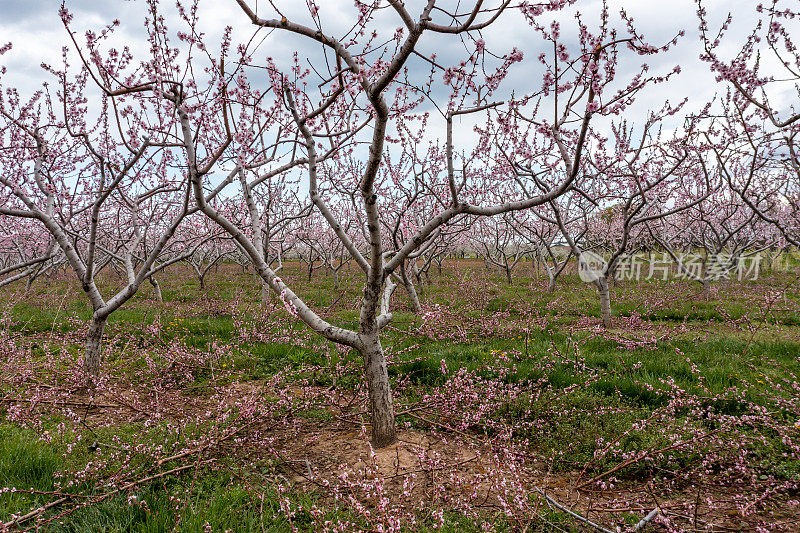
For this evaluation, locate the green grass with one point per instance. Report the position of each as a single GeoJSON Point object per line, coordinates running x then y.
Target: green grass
{"type": "Point", "coordinates": [27, 463]}
{"type": "Point", "coordinates": [732, 345]}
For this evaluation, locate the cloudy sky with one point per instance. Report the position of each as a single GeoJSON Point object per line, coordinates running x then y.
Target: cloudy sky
{"type": "Point", "coordinates": [34, 28]}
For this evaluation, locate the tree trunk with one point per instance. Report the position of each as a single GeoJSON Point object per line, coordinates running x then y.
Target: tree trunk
{"type": "Point", "coordinates": [421, 284]}
{"type": "Point", "coordinates": [508, 276]}
{"type": "Point", "coordinates": [420, 281]}
{"type": "Point", "coordinates": [380, 395]}
{"type": "Point", "coordinates": [91, 360]}
{"type": "Point", "coordinates": [605, 302]}
{"type": "Point", "coordinates": [157, 288]}
{"type": "Point", "coordinates": [551, 287]}
{"type": "Point", "coordinates": [413, 298]}
{"type": "Point", "coordinates": [706, 286]}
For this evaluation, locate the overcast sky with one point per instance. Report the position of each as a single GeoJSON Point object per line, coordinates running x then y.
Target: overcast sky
{"type": "Point", "coordinates": [34, 28]}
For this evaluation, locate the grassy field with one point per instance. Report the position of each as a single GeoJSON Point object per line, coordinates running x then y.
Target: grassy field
{"type": "Point", "coordinates": [218, 412]}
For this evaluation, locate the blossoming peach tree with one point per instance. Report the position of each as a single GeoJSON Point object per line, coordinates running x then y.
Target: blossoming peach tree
{"type": "Point", "coordinates": [754, 133]}
{"type": "Point", "coordinates": [125, 149]}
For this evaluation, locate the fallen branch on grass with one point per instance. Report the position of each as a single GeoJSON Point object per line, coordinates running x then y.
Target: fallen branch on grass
{"type": "Point", "coordinates": [63, 403]}
{"type": "Point", "coordinates": [42, 509]}
{"type": "Point", "coordinates": [443, 426]}
{"type": "Point", "coordinates": [36, 512]}
{"type": "Point", "coordinates": [573, 514]}
{"type": "Point", "coordinates": [643, 455]}
{"type": "Point", "coordinates": [641, 524]}
{"type": "Point", "coordinates": [207, 446]}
